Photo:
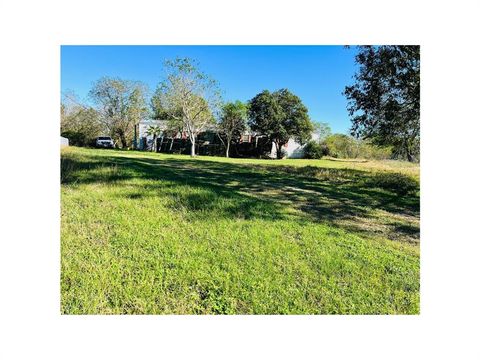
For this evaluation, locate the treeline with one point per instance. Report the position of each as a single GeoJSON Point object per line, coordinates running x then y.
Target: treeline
{"type": "Point", "coordinates": [118, 105]}
{"type": "Point", "coordinates": [79, 123]}
{"type": "Point", "coordinates": [189, 102]}
{"type": "Point", "coordinates": [345, 147]}
{"type": "Point", "coordinates": [384, 105]}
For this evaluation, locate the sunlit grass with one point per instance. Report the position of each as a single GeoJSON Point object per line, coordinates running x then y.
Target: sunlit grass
{"type": "Point", "coordinates": [151, 233]}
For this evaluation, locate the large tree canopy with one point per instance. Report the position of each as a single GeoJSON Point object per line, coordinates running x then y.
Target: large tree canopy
{"type": "Point", "coordinates": [187, 97]}
{"type": "Point", "coordinates": [280, 115]}
{"type": "Point", "coordinates": [121, 104]}
{"type": "Point", "coordinates": [384, 101]}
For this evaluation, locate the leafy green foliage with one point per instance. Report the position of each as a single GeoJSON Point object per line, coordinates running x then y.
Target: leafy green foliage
{"type": "Point", "coordinates": [157, 108]}
{"type": "Point", "coordinates": [342, 146]}
{"type": "Point", "coordinates": [187, 97]}
{"type": "Point", "coordinates": [346, 147]}
{"type": "Point", "coordinates": [233, 122]}
{"type": "Point", "coordinates": [81, 125]}
{"type": "Point", "coordinates": [121, 104]}
{"type": "Point", "coordinates": [314, 150]}
{"type": "Point", "coordinates": [280, 115]}
{"type": "Point", "coordinates": [384, 102]}
{"type": "Point", "coordinates": [154, 131]}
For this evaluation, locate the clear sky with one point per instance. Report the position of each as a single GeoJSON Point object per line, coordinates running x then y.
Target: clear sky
{"type": "Point", "coordinates": [317, 74]}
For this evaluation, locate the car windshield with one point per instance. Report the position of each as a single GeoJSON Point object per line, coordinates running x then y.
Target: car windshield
{"type": "Point", "coordinates": [104, 138]}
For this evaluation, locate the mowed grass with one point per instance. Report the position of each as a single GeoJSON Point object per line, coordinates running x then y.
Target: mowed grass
{"type": "Point", "coordinates": [145, 233]}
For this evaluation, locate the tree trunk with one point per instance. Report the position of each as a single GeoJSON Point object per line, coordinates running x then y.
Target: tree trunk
{"type": "Point", "coordinates": [154, 145]}
{"type": "Point", "coordinates": [123, 140]}
{"type": "Point", "coordinates": [161, 143]}
{"type": "Point", "coordinates": [228, 149]}
{"type": "Point", "coordinates": [410, 157]}
{"type": "Point", "coordinates": [192, 152]}
{"type": "Point", "coordinates": [279, 150]}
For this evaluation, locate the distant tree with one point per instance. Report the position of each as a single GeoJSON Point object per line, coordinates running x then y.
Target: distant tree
{"type": "Point", "coordinates": [79, 123]}
{"type": "Point", "coordinates": [372, 151]}
{"type": "Point", "coordinates": [280, 115]}
{"type": "Point", "coordinates": [154, 131]}
{"type": "Point", "coordinates": [345, 146]}
{"type": "Point", "coordinates": [233, 122]}
{"type": "Point", "coordinates": [188, 97]}
{"type": "Point", "coordinates": [63, 112]}
{"type": "Point", "coordinates": [384, 101]}
{"type": "Point", "coordinates": [156, 106]}
{"type": "Point", "coordinates": [314, 150]}
{"type": "Point", "coordinates": [121, 104]}
{"type": "Point", "coordinates": [81, 126]}
{"type": "Point", "coordinates": [322, 129]}
{"type": "Point", "coordinates": [342, 146]}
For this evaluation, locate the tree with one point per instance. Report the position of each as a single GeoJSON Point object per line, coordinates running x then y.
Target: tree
{"type": "Point", "coordinates": [233, 122]}
{"type": "Point", "coordinates": [158, 111]}
{"type": "Point", "coordinates": [188, 97]}
{"type": "Point", "coordinates": [384, 101]}
{"type": "Point", "coordinates": [121, 104]}
{"type": "Point", "coordinates": [343, 146]}
{"type": "Point", "coordinates": [314, 150]}
{"type": "Point", "coordinates": [154, 131]}
{"type": "Point", "coordinates": [322, 129]}
{"type": "Point", "coordinates": [280, 115]}
{"type": "Point", "coordinates": [79, 123]}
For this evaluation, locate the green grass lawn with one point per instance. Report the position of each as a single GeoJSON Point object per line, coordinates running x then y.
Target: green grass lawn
{"type": "Point", "coordinates": [145, 233]}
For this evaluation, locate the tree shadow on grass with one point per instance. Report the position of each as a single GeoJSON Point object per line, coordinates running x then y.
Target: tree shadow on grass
{"type": "Point", "coordinates": [348, 198]}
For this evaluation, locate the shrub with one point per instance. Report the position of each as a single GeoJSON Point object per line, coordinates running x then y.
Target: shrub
{"type": "Point", "coordinates": [343, 146]}
{"type": "Point", "coordinates": [314, 150]}
{"type": "Point", "coordinates": [80, 126]}
{"type": "Point", "coordinates": [370, 151]}
{"type": "Point", "coordinates": [77, 138]}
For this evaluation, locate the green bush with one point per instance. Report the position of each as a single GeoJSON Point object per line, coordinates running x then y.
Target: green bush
{"type": "Point", "coordinates": [78, 138]}
{"type": "Point", "coordinates": [347, 147]}
{"type": "Point", "coordinates": [370, 151]}
{"type": "Point", "coordinates": [314, 150]}
{"type": "Point", "coordinates": [80, 126]}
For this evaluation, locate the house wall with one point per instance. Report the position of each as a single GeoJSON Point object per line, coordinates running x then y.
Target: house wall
{"type": "Point", "coordinates": [145, 141]}
{"type": "Point", "coordinates": [145, 124]}
{"type": "Point", "coordinates": [294, 149]}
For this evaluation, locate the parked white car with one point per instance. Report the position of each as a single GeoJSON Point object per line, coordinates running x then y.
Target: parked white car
{"type": "Point", "coordinates": [104, 141]}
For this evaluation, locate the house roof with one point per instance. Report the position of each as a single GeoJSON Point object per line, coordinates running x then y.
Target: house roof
{"type": "Point", "coordinates": [151, 122]}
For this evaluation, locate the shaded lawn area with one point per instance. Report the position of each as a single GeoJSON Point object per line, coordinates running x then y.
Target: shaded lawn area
{"type": "Point", "coordinates": [150, 233]}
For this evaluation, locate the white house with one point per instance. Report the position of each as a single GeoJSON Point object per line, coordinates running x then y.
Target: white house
{"type": "Point", "coordinates": [293, 149]}
{"type": "Point", "coordinates": [145, 141]}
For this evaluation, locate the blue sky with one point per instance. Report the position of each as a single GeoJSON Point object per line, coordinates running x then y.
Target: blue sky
{"type": "Point", "coordinates": [317, 74]}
